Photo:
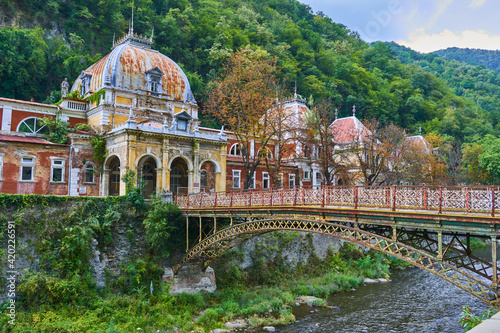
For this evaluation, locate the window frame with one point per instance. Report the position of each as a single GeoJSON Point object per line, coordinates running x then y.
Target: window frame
{"type": "Point", "coordinates": [281, 178]}
{"type": "Point", "coordinates": [307, 175]}
{"type": "Point", "coordinates": [184, 124]}
{"type": "Point", "coordinates": [235, 148]}
{"type": "Point", "coordinates": [35, 130]}
{"type": "Point", "coordinates": [265, 177]}
{"type": "Point", "coordinates": [85, 85]}
{"type": "Point", "coordinates": [155, 84]}
{"type": "Point", "coordinates": [265, 152]}
{"type": "Point", "coordinates": [24, 164]}
{"type": "Point", "coordinates": [54, 166]}
{"type": "Point", "coordinates": [318, 180]}
{"type": "Point", "coordinates": [205, 172]}
{"type": "Point", "coordinates": [292, 176]}
{"type": "Point", "coordinates": [85, 168]}
{"type": "Point", "coordinates": [237, 175]}
{"type": "Point", "coordinates": [252, 185]}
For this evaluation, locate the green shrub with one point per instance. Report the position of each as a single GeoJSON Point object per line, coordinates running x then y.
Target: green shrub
{"type": "Point", "coordinates": [193, 302]}
{"type": "Point", "coordinates": [134, 193]}
{"type": "Point", "coordinates": [468, 320]}
{"type": "Point", "coordinates": [37, 289]}
{"type": "Point", "coordinates": [209, 318]}
{"type": "Point", "coordinates": [163, 218]}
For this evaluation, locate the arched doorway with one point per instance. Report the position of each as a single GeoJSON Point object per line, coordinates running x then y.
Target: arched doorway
{"type": "Point", "coordinates": [207, 177]}
{"type": "Point", "coordinates": [114, 176]}
{"type": "Point", "coordinates": [147, 175]}
{"type": "Point", "coordinates": [179, 177]}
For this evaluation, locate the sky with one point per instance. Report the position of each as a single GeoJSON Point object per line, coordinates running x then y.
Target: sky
{"type": "Point", "coordinates": [422, 25]}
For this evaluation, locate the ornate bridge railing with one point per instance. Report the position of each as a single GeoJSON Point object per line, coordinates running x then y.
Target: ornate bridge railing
{"type": "Point", "coordinates": [435, 199]}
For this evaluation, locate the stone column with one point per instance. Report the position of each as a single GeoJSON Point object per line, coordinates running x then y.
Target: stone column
{"type": "Point", "coordinates": [220, 178]}
{"type": "Point", "coordinates": [104, 185]}
{"type": "Point", "coordinates": [167, 179]}
{"type": "Point", "coordinates": [159, 180]}
{"type": "Point", "coordinates": [196, 168]}
{"type": "Point", "coordinates": [165, 184]}
{"type": "Point", "coordinates": [123, 170]}
{"type": "Point", "coordinates": [190, 181]}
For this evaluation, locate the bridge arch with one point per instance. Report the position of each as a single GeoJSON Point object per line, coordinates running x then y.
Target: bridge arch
{"type": "Point", "coordinates": [220, 242]}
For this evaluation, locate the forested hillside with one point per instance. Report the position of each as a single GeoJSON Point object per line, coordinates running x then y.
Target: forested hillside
{"type": "Point", "coordinates": [487, 58]}
{"type": "Point", "coordinates": [326, 59]}
{"type": "Point", "coordinates": [45, 41]}
{"type": "Point", "coordinates": [475, 83]}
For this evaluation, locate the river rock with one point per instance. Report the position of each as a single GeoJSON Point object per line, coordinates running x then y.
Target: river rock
{"type": "Point", "coordinates": [236, 324]}
{"type": "Point", "coordinates": [383, 280]}
{"type": "Point", "coordinates": [304, 299]}
{"type": "Point", "coordinates": [368, 280]}
{"type": "Point", "coordinates": [220, 330]}
{"type": "Point", "coordinates": [309, 300]}
{"type": "Point", "coordinates": [269, 328]}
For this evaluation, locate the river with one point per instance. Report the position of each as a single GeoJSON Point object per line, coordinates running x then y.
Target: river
{"type": "Point", "coordinates": [414, 301]}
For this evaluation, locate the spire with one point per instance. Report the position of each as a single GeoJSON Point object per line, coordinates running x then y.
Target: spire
{"type": "Point", "coordinates": [152, 34]}
{"type": "Point", "coordinates": [131, 123]}
{"type": "Point", "coordinates": [114, 34]}
{"type": "Point", "coordinates": [132, 38]}
{"type": "Point", "coordinates": [420, 130]}
{"type": "Point", "coordinates": [354, 110]}
{"type": "Point", "coordinates": [295, 93]}
{"type": "Point", "coordinates": [336, 113]}
{"type": "Point", "coordinates": [131, 25]}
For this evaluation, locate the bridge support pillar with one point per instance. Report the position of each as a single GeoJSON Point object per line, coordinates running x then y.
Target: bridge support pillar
{"type": "Point", "coordinates": [187, 234]}
{"type": "Point", "coordinates": [190, 279]}
{"type": "Point", "coordinates": [394, 234]}
{"type": "Point", "coordinates": [201, 231]}
{"type": "Point", "coordinates": [215, 224]}
{"type": "Point", "coordinates": [440, 245]}
{"type": "Point", "coordinates": [494, 279]}
{"type": "Point", "coordinates": [469, 250]}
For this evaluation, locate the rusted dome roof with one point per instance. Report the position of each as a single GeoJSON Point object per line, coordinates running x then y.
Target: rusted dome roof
{"type": "Point", "coordinates": [126, 66]}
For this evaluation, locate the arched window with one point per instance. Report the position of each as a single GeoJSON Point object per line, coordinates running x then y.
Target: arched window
{"type": "Point", "coordinates": [33, 125]}
{"type": "Point", "coordinates": [235, 150]}
{"type": "Point", "coordinates": [203, 178]}
{"type": "Point", "coordinates": [265, 153]}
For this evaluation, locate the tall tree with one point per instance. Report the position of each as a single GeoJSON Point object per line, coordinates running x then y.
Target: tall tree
{"type": "Point", "coordinates": [283, 122]}
{"type": "Point", "coordinates": [239, 99]}
{"type": "Point", "coordinates": [319, 140]}
{"type": "Point", "coordinates": [371, 151]}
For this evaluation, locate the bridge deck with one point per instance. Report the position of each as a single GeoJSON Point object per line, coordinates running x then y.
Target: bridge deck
{"type": "Point", "coordinates": [460, 209]}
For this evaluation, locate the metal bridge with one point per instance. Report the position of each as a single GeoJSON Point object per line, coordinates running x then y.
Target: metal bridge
{"type": "Point", "coordinates": [429, 227]}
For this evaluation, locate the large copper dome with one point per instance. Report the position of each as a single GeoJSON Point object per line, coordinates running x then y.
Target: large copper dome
{"type": "Point", "coordinates": [126, 68]}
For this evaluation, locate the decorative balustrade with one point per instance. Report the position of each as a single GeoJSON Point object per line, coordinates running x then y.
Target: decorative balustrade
{"type": "Point", "coordinates": [77, 106]}
{"type": "Point", "coordinates": [434, 199]}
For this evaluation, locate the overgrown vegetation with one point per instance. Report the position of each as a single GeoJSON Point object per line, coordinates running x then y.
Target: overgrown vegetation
{"type": "Point", "coordinates": [468, 320]}
{"type": "Point", "coordinates": [60, 291]}
{"type": "Point", "coordinates": [58, 129]}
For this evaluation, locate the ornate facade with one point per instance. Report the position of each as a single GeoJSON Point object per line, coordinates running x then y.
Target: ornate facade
{"type": "Point", "coordinates": [143, 103]}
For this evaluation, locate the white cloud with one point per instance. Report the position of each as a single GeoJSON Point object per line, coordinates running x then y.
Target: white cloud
{"type": "Point", "coordinates": [439, 11]}
{"type": "Point", "coordinates": [476, 39]}
{"type": "Point", "coordinates": [477, 3]}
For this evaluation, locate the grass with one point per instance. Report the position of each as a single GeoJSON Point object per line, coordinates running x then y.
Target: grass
{"type": "Point", "coordinates": [263, 304]}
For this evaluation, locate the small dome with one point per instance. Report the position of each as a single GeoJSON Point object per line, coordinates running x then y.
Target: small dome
{"type": "Point", "coordinates": [129, 66]}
